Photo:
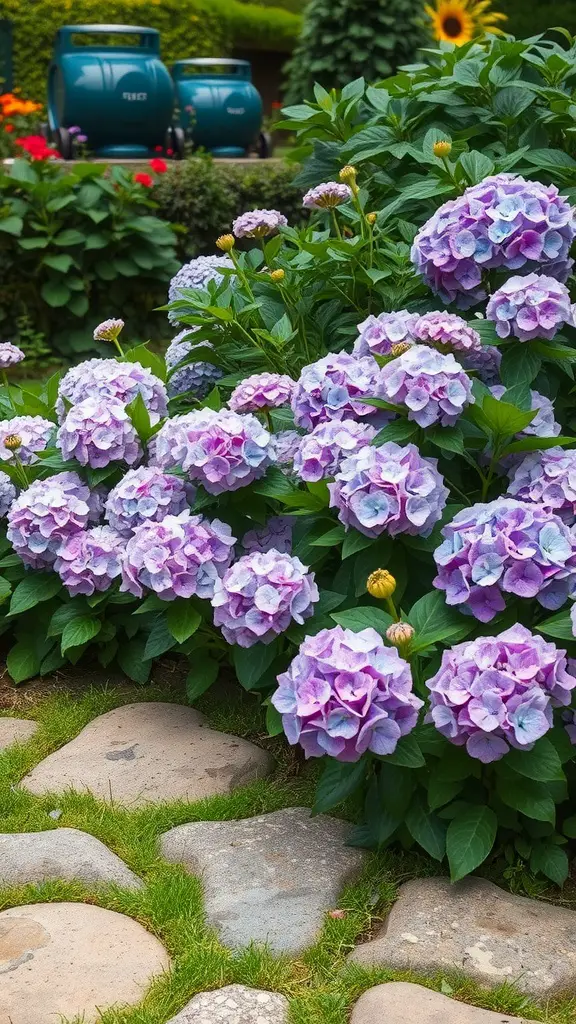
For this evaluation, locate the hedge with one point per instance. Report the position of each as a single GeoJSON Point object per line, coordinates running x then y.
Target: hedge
{"type": "Point", "coordinates": [189, 28]}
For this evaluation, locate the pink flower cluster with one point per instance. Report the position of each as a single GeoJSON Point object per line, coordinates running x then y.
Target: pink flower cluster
{"type": "Point", "coordinates": [262, 391]}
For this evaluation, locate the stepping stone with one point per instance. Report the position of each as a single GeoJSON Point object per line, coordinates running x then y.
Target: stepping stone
{"type": "Point", "coordinates": [234, 1004]}
{"type": "Point", "coordinates": [15, 730]}
{"type": "Point", "coordinates": [401, 1003]}
{"type": "Point", "coordinates": [267, 879]}
{"type": "Point", "coordinates": [70, 959]}
{"type": "Point", "coordinates": [147, 753]}
{"type": "Point", "coordinates": [62, 853]}
{"type": "Point", "coordinates": [481, 930]}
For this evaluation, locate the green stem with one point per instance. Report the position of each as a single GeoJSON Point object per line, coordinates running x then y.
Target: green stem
{"type": "Point", "coordinates": [241, 273]}
{"type": "Point", "coordinates": [118, 346]}
{"type": "Point", "coordinates": [7, 386]}
{"type": "Point", "coordinates": [336, 224]}
{"type": "Point", "coordinates": [392, 609]}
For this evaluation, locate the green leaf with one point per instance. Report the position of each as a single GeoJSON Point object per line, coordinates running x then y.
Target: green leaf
{"type": "Point", "coordinates": [273, 721]}
{"type": "Point", "coordinates": [5, 589]}
{"type": "Point", "coordinates": [363, 617]}
{"type": "Point", "coordinates": [11, 225]}
{"type": "Point", "coordinates": [66, 613]}
{"type": "Point", "coordinates": [79, 631]}
{"type": "Point", "coordinates": [449, 438]}
{"type": "Point", "coordinates": [399, 430]}
{"type": "Point", "coordinates": [338, 781]}
{"type": "Point", "coordinates": [140, 417]}
{"type": "Point", "coordinates": [55, 293]}
{"type": "Point", "coordinates": [354, 542]}
{"type": "Point", "coordinates": [519, 368]}
{"type": "Point", "coordinates": [142, 354]}
{"type": "Point", "coordinates": [435, 621]}
{"type": "Point", "coordinates": [70, 236]}
{"type": "Point", "coordinates": [442, 791]}
{"type": "Point", "coordinates": [131, 659]}
{"type": "Point", "coordinates": [32, 590]}
{"type": "Point", "coordinates": [475, 165]}
{"type": "Point", "coordinates": [275, 484]}
{"type": "Point", "coordinates": [558, 626]}
{"type": "Point", "coordinates": [505, 419]}
{"type": "Point", "coordinates": [550, 860]}
{"type": "Point", "coordinates": [182, 619]}
{"type": "Point", "coordinates": [542, 763]}
{"type": "Point", "coordinates": [527, 796]}
{"type": "Point", "coordinates": [427, 829]}
{"type": "Point", "coordinates": [203, 673]}
{"type": "Point", "coordinates": [22, 170]}
{"type": "Point", "coordinates": [61, 262]}
{"type": "Point", "coordinates": [333, 538]}
{"type": "Point", "coordinates": [407, 753]}
{"type": "Point", "coordinates": [469, 840]}
{"type": "Point", "coordinates": [569, 827]}
{"type": "Point", "coordinates": [251, 663]}
{"type": "Point", "coordinates": [396, 786]}
{"type": "Point", "coordinates": [536, 444]}
{"type": "Point", "coordinates": [159, 640]}
{"type": "Point", "coordinates": [23, 662]}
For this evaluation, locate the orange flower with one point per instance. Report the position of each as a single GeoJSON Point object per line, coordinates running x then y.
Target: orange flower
{"type": "Point", "coordinates": [8, 128]}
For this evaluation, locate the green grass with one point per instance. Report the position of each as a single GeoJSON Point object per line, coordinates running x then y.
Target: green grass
{"type": "Point", "coordinates": [320, 984]}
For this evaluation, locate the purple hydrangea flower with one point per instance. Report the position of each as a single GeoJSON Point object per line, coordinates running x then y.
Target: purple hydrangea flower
{"type": "Point", "coordinates": [260, 595]}
{"type": "Point", "coordinates": [89, 560]}
{"type": "Point", "coordinates": [10, 355]}
{"type": "Point", "coordinates": [258, 223]}
{"type": "Point", "coordinates": [327, 195]}
{"type": "Point", "coordinates": [345, 693]}
{"type": "Point", "coordinates": [108, 330]}
{"type": "Point", "coordinates": [146, 495]}
{"type": "Point", "coordinates": [498, 692]}
{"type": "Point", "coordinates": [276, 533]}
{"type": "Point", "coordinates": [333, 387]}
{"type": "Point", "coordinates": [196, 275]}
{"type": "Point", "coordinates": [262, 391]}
{"type": "Point", "coordinates": [547, 478]}
{"type": "Point", "coordinates": [569, 717]}
{"type": "Point", "coordinates": [221, 450]}
{"type": "Point", "coordinates": [446, 332]}
{"type": "Point", "coordinates": [110, 379]}
{"type": "Point", "coordinates": [505, 547]}
{"type": "Point", "coordinates": [484, 362]}
{"type": "Point", "coordinates": [182, 556]}
{"type": "Point", "coordinates": [505, 222]}
{"type": "Point", "coordinates": [377, 335]}
{"type": "Point", "coordinates": [97, 432]}
{"type": "Point", "coordinates": [543, 424]}
{"type": "Point", "coordinates": [528, 307]}
{"type": "Point", "coordinates": [390, 488]}
{"type": "Point", "coordinates": [199, 378]}
{"type": "Point", "coordinates": [432, 386]}
{"type": "Point", "coordinates": [285, 444]}
{"type": "Point", "coordinates": [321, 452]}
{"type": "Point", "coordinates": [34, 433]}
{"type": "Point", "coordinates": [7, 493]}
{"type": "Point", "coordinates": [46, 514]}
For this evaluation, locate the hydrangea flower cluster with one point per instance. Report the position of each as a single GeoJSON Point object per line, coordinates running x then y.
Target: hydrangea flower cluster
{"type": "Point", "coordinates": [277, 534]}
{"type": "Point", "coordinates": [260, 595]}
{"type": "Point", "coordinates": [7, 493]}
{"type": "Point", "coordinates": [333, 388]}
{"type": "Point", "coordinates": [196, 275]}
{"type": "Point", "coordinates": [327, 195]}
{"type": "Point", "coordinates": [221, 450]}
{"type": "Point", "coordinates": [389, 488]}
{"type": "Point", "coordinates": [505, 222]}
{"type": "Point", "coordinates": [345, 693]}
{"type": "Point", "coordinates": [543, 424]}
{"type": "Point", "coordinates": [377, 335]}
{"type": "Point", "coordinates": [505, 547]}
{"type": "Point", "coordinates": [447, 332]}
{"type": "Point", "coordinates": [110, 379]}
{"type": "Point", "coordinates": [146, 495]}
{"type": "Point", "coordinates": [498, 692]}
{"type": "Point", "coordinates": [547, 478]}
{"type": "Point", "coordinates": [285, 444]}
{"type": "Point", "coordinates": [34, 433]}
{"type": "Point", "coordinates": [321, 452]}
{"type": "Point", "coordinates": [485, 362]}
{"type": "Point", "coordinates": [10, 355]}
{"type": "Point", "coordinates": [262, 391]}
{"type": "Point", "coordinates": [258, 223]}
{"type": "Point", "coordinates": [535, 306]}
{"type": "Point", "coordinates": [89, 561]}
{"type": "Point", "coordinates": [97, 432]}
{"type": "Point", "coordinates": [198, 378]}
{"type": "Point", "coordinates": [432, 386]}
{"type": "Point", "coordinates": [46, 514]}
{"type": "Point", "coordinates": [182, 556]}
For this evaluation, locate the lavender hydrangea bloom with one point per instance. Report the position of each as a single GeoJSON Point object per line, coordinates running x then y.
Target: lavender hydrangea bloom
{"type": "Point", "coordinates": [327, 195]}
{"type": "Point", "coordinates": [377, 335]}
{"type": "Point", "coordinates": [97, 432]}
{"type": "Point", "coordinates": [498, 692]}
{"type": "Point", "coordinates": [432, 386]}
{"type": "Point", "coordinates": [34, 433]}
{"type": "Point", "coordinates": [89, 561]}
{"type": "Point", "coordinates": [7, 494]}
{"type": "Point", "coordinates": [446, 332]}
{"type": "Point", "coordinates": [543, 424]}
{"type": "Point", "coordinates": [110, 379]}
{"type": "Point", "coordinates": [504, 222]}
{"type": "Point", "coordinates": [484, 362]}
{"type": "Point", "coordinates": [182, 556]}
{"type": "Point", "coordinates": [333, 387]}
{"type": "Point", "coordinates": [529, 307]}
{"type": "Point", "coordinates": [10, 355]}
{"type": "Point", "coordinates": [46, 514]}
{"type": "Point", "coordinates": [390, 488]}
{"type": "Point", "coordinates": [345, 693]}
{"type": "Point", "coordinates": [547, 478]}
{"type": "Point", "coordinates": [199, 378]}
{"type": "Point", "coordinates": [321, 452]}
{"type": "Point", "coordinates": [196, 275]}
{"type": "Point", "coordinates": [146, 495]}
{"type": "Point", "coordinates": [221, 450]}
{"type": "Point", "coordinates": [505, 547]}
{"type": "Point", "coordinates": [260, 595]}
{"type": "Point", "coordinates": [276, 533]}
{"type": "Point", "coordinates": [258, 223]}
{"type": "Point", "coordinates": [285, 444]}
{"type": "Point", "coordinates": [262, 391]}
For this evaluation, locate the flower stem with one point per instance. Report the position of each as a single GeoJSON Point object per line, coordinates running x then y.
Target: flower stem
{"type": "Point", "coordinates": [7, 386]}
{"type": "Point", "coordinates": [392, 609]}
{"type": "Point", "coordinates": [336, 224]}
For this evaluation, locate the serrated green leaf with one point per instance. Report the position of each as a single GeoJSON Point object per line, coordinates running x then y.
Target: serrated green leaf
{"type": "Point", "coordinates": [79, 631]}
{"type": "Point", "coordinates": [338, 781]}
{"type": "Point", "coordinates": [427, 829]}
{"type": "Point", "coordinates": [470, 838]}
{"type": "Point", "coordinates": [32, 590]}
{"type": "Point", "coordinates": [363, 617]}
{"type": "Point", "coordinates": [182, 619]}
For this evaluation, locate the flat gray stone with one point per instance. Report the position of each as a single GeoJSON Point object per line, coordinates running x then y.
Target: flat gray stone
{"type": "Point", "coordinates": [15, 730]}
{"type": "Point", "coordinates": [61, 853]}
{"type": "Point", "coordinates": [267, 879]}
{"type": "Point", "coordinates": [68, 960]}
{"type": "Point", "coordinates": [148, 753]}
{"type": "Point", "coordinates": [234, 1004]}
{"type": "Point", "coordinates": [481, 930]}
{"type": "Point", "coordinates": [398, 1002]}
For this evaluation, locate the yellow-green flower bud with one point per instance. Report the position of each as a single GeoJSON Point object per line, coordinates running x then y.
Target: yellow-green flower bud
{"type": "Point", "coordinates": [13, 442]}
{"type": "Point", "coordinates": [442, 148]}
{"type": "Point", "coordinates": [400, 633]}
{"type": "Point", "coordinates": [381, 584]}
{"type": "Point", "coordinates": [277, 275]}
{"type": "Point", "coordinates": [225, 242]}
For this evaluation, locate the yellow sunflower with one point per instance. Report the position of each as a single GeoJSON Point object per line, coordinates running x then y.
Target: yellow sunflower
{"type": "Point", "coordinates": [459, 21]}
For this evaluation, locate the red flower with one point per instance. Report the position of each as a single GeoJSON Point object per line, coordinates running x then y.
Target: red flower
{"type": "Point", "coordinates": [158, 149]}
{"type": "Point", "coordinates": [169, 152]}
{"type": "Point", "coordinates": [36, 147]}
{"type": "Point", "coordinates": [144, 179]}
{"type": "Point", "coordinates": [158, 166]}
{"type": "Point", "coordinates": [8, 128]}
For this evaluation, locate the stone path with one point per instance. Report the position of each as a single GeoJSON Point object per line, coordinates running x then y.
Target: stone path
{"type": "Point", "coordinates": [234, 1004]}
{"type": "Point", "coordinates": [267, 879]}
{"type": "Point", "coordinates": [145, 753]}
{"type": "Point", "coordinates": [62, 853]}
{"type": "Point", "coordinates": [478, 928]}
{"type": "Point", "coordinates": [401, 1003]}
{"type": "Point", "coordinates": [67, 959]}
{"type": "Point", "coordinates": [15, 730]}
